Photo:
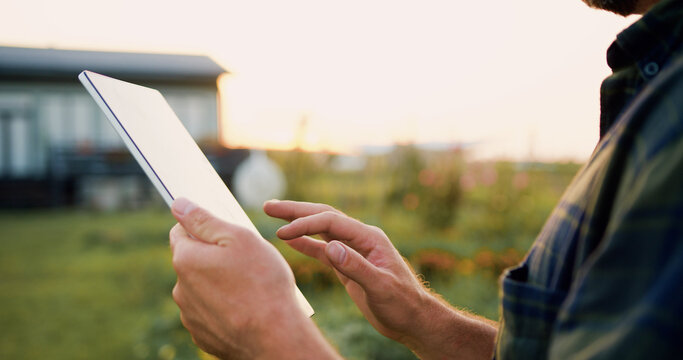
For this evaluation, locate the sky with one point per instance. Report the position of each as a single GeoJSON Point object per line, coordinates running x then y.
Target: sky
{"type": "Point", "coordinates": [511, 79]}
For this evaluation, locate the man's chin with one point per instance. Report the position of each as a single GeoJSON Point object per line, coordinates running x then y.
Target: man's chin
{"type": "Point", "coordinates": [621, 7]}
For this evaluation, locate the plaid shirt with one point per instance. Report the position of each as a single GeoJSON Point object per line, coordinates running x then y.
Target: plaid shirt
{"type": "Point", "coordinates": [604, 278]}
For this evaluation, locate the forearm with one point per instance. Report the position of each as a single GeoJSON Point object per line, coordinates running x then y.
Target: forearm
{"type": "Point", "coordinates": [295, 337]}
{"type": "Point", "coordinates": [442, 332]}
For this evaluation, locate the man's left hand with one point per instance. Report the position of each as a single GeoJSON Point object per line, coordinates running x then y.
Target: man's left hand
{"type": "Point", "coordinates": [235, 291]}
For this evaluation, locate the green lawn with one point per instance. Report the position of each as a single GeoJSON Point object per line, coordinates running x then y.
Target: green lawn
{"type": "Point", "coordinates": [80, 286]}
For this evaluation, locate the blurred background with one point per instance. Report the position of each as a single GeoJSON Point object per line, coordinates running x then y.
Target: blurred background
{"type": "Point", "coordinates": [455, 127]}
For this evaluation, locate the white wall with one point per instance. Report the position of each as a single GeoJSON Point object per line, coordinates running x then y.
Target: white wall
{"type": "Point", "coordinates": [18, 152]}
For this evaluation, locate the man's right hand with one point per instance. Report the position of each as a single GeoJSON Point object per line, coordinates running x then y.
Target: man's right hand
{"type": "Point", "coordinates": [381, 283]}
{"type": "Point", "coordinates": [370, 268]}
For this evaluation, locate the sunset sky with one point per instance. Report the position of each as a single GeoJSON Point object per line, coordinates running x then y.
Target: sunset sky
{"type": "Point", "coordinates": [513, 79]}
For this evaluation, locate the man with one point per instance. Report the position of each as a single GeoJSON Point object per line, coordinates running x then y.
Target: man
{"type": "Point", "coordinates": [602, 280]}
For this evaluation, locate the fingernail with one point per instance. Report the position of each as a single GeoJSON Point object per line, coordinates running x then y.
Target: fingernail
{"type": "Point", "coordinates": [336, 252]}
{"type": "Point", "coordinates": [282, 228]}
{"type": "Point", "coordinates": [182, 206]}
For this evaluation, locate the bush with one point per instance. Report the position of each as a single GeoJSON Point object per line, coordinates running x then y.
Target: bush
{"type": "Point", "coordinates": [428, 183]}
{"type": "Point", "coordinates": [434, 263]}
{"type": "Point", "coordinates": [300, 169]}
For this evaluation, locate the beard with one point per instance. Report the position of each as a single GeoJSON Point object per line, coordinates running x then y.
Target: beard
{"type": "Point", "coordinates": [621, 7]}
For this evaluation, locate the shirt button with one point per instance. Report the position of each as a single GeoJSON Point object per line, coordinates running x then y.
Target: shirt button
{"type": "Point", "coordinates": [651, 69]}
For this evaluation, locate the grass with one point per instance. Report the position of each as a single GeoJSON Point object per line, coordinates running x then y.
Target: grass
{"type": "Point", "coordinates": [80, 286]}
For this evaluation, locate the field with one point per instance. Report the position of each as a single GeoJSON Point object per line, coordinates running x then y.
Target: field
{"type": "Point", "coordinates": [82, 284]}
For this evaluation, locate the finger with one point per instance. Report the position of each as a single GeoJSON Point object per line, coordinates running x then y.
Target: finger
{"type": "Point", "coordinates": [310, 247]}
{"type": "Point", "coordinates": [176, 234]}
{"type": "Point", "coordinates": [177, 295]}
{"type": "Point", "coordinates": [353, 265]}
{"type": "Point", "coordinates": [290, 210]}
{"type": "Point", "coordinates": [187, 253]}
{"type": "Point", "coordinates": [183, 320]}
{"type": "Point", "coordinates": [202, 225]}
{"type": "Point", "coordinates": [337, 226]}
{"type": "Point", "coordinates": [179, 239]}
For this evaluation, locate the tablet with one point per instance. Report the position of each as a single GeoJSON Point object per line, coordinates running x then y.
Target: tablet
{"type": "Point", "coordinates": [165, 150]}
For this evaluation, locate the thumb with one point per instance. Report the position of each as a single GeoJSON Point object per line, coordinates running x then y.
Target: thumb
{"type": "Point", "coordinates": [199, 222]}
{"type": "Point", "coordinates": [352, 264]}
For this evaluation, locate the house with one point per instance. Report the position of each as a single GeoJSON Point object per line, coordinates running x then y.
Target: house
{"type": "Point", "coordinates": [56, 146]}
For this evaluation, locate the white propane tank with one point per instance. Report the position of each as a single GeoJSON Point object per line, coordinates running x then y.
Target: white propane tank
{"type": "Point", "coordinates": [258, 179]}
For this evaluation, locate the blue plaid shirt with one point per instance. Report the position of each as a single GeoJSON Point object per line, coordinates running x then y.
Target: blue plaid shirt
{"type": "Point", "coordinates": [604, 279]}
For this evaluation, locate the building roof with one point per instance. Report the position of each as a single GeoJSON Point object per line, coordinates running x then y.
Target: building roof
{"type": "Point", "coordinates": [32, 64]}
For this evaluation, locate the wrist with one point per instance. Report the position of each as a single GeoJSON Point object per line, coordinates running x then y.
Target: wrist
{"type": "Point", "coordinates": [288, 333]}
{"type": "Point", "coordinates": [431, 322]}
{"type": "Point", "coordinates": [444, 332]}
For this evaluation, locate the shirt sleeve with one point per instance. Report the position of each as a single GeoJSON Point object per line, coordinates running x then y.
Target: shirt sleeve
{"type": "Point", "coordinates": [626, 300]}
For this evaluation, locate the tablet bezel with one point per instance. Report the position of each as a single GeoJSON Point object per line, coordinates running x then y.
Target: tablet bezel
{"type": "Point", "coordinates": [123, 134]}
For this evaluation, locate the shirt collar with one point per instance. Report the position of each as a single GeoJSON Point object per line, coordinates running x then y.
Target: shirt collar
{"type": "Point", "coordinates": [649, 42]}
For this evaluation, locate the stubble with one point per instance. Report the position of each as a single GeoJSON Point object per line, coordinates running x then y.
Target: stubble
{"type": "Point", "coordinates": [621, 7]}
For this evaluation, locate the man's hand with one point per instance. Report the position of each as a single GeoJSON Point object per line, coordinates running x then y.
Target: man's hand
{"type": "Point", "coordinates": [381, 284]}
{"type": "Point", "coordinates": [370, 268]}
{"type": "Point", "coordinates": [236, 293]}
